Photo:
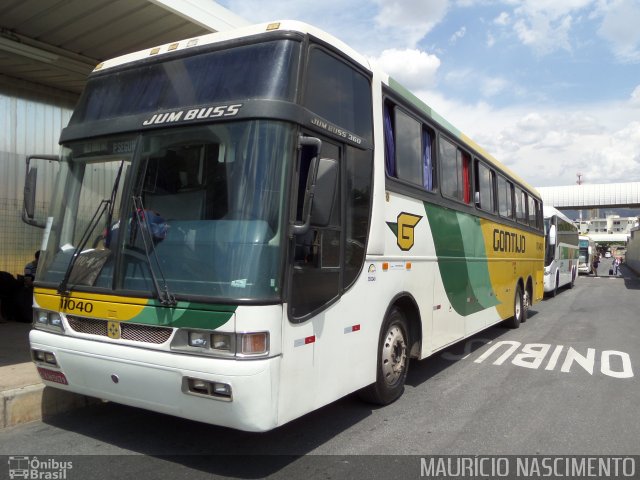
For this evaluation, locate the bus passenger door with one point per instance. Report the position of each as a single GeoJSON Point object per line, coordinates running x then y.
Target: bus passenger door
{"type": "Point", "coordinates": [316, 274]}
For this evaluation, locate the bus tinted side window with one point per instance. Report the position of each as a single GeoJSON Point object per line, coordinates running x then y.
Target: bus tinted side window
{"type": "Point", "coordinates": [521, 206]}
{"type": "Point", "coordinates": [455, 171]}
{"type": "Point", "coordinates": [484, 187]}
{"type": "Point", "coordinates": [339, 93]}
{"type": "Point", "coordinates": [533, 211]}
{"type": "Point", "coordinates": [409, 152]}
{"type": "Point", "coordinates": [408, 146]}
{"type": "Point", "coordinates": [505, 207]}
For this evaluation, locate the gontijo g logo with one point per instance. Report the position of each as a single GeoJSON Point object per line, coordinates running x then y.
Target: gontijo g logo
{"type": "Point", "coordinates": [404, 229]}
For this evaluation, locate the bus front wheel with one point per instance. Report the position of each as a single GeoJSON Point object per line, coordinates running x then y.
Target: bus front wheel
{"type": "Point", "coordinates": [392, 362]}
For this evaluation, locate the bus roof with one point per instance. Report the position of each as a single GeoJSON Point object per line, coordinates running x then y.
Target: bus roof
{"type": "Point", "coordinates": [241, 32]}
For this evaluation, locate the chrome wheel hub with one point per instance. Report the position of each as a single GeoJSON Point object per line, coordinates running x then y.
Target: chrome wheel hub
{"type": "Point", "coordinates": [394, 355]}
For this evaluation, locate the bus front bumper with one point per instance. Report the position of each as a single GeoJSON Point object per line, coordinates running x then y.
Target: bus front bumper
{"type": "Point", "coordinates": [165, 382]}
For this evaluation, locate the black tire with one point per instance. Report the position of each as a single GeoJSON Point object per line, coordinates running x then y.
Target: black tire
{"type": "Point", "coordinates": [393, 361]}
{"type": "Point", "coordinates": [519, 310]}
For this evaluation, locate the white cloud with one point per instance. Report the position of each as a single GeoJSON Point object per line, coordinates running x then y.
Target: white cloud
{"type": "Point", "coordinates": [491, 87]}
{"type": "Point", "coordinates": [414, 18]}
{"type": "Point", "coordinates": [544, 34]}
{"type": "Point", "coordinates": [503, 19]}
{"type": "Point", "coordinates": [459, 34]}
{"type": "Point", "coordinates": [620, 28]}
{"type": "Point", "coordinates": [546, 25]}
{"type": "Point", "coordinates": [415, 69]}
{"type": "Point", "coordinates": [553, 9]}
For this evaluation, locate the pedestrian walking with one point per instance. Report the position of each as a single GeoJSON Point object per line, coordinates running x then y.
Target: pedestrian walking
{"type": "Point", "coordinates": [596, 262]}
{"type": "Point", "coordinates": [616, 266]}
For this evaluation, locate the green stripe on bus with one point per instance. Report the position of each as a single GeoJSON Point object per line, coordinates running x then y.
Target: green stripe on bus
{"type": "Point", "coordinates": [185, 315]}
{"type": "Point", "coordinates": [462, 259]}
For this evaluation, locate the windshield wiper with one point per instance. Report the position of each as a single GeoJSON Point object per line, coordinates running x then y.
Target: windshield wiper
{"type": "Point", "coordinates": [63, 287]}
{"type": "Point", "coordinates": [164, 295]}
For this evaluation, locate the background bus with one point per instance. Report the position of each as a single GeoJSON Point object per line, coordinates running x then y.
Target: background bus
{"type": "Point", "coordinates": [252, 224]}
{"type": "Point", "coordinates": [561, 251]}
{"type": "Point", "coordinates": [587, 250]}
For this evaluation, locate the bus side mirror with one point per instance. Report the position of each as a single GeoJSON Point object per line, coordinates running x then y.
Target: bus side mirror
{"type": "Point", "coordinates": [325, 192]}
{"type": "Point", "coordinates": [30, 194]}
{"type": "Point", "coordinates": [30, 187]}
{"type": "Point", "coordinates": [302, 227]}
{"type": "Point", "coordinates": [552, 235]}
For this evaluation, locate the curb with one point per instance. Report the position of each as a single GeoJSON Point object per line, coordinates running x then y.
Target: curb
{"type": "Point", "coordinates": [37, 402]}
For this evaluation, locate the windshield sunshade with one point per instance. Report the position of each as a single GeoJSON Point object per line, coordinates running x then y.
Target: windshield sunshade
{"type": "Point", "coordinates": [253, 71]}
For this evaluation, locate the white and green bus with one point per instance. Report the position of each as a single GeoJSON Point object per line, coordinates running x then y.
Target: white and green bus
{"type": "Point", "coordinates": [562, 251]}
{"type": "Point", "coordinates": [587, 250]}
{"type": "Point", "coordinates": [252, 224]}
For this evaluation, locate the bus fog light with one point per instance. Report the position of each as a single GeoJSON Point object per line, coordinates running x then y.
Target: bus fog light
{"type": "Point", "coordinates": [198, 339]}
{"type": "Point", "coordinates": [198, 386]}
{"type": "Point", "coordinates": [38, 355]}
{"type": "Point", "coordinates": [222, 389]}
{"type": "Point", "coordinates": [50, 358]}
{"type": "Point", "coordinates": [221, 341]}
{"type": "Point", "coordinates": [254, 343]}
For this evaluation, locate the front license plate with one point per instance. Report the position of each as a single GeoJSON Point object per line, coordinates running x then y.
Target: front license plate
{"type": "Point", "coordinates": [52, 376]}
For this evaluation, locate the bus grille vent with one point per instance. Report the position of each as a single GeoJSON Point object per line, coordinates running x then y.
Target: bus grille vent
{"type": "Point", "coordinates": [128, 331]}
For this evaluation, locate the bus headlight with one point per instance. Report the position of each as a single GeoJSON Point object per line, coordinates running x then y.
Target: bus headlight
{"type": "Point", "coordinates": [198, 339]}
{"type": "Point", "coordinates": [44, 320]}
{"type": "Point", "coordinates": [221, 344]}
{"type": "Point", "coordinates": [41, 317]}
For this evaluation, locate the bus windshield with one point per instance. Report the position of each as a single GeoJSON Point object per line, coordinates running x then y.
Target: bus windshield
{"type": "Point", "coordinates": [198, 210]}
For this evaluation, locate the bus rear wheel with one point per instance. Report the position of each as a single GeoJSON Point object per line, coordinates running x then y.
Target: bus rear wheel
{"type": "Point", "coordinates": [393, 361]}
{"type": "Point", "coordinates": [519, 310]}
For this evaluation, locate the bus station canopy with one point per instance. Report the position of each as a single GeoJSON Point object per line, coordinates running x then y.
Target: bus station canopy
{"type": "Point", "coordinates": [57, 43]}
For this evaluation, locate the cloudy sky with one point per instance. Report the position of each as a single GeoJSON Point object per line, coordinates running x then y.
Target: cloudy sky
{"type": "Point", "coordinates": [549, 87]}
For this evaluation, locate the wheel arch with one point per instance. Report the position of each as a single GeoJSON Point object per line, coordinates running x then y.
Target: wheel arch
{"type": "Point", "coordinates": [409, 307]}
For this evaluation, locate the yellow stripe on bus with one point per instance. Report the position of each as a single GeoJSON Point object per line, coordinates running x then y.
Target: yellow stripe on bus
{"type": "Point", "coordinates": [90, 304]}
